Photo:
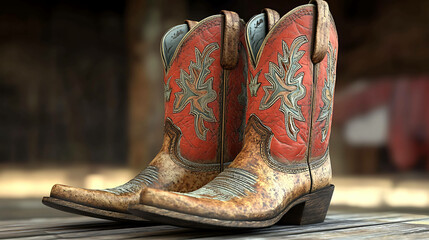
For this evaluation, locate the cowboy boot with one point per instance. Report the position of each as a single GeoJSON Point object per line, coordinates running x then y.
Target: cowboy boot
{"type": "Point", "coordinates": [205, 66]}
{"type": "Point", "coordinates": [283, 172]}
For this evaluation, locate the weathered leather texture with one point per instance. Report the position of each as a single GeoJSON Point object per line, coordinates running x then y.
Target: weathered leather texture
{"type": "Point", "coordinates": [230, 39]}
{"type": "Point", "coordinates": [195, 78]}
{"type": "Point", "coordinates": [163, 172]}
{"type": "Point", "coordinates": [194, 105]}
{"type": "Point", "coordinates": [249, 189]}
{"type": "Point", "coordinates": [284, 70]}
{"type": "Point", "coordinates": [321, 38]}
{"type": "Point", "coordinates": [235, 103]}
{"type": "Point", "coordinates": [325, 78]}
{"type": "Point", "coordinates": [272, 17]}
{"type": "Point", "coordinates": [272, 169]}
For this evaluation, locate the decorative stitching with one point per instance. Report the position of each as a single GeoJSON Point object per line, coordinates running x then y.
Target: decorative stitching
{"type": "Point", "coordinates": [266, 136]}
{"type": "Point", "coordinates": [167, 90]}
{"type": "Point", "coordinates": [316, 163]}
{"type": "Point", "coordinates": [254, 84]}
{"type": "Point", "coordinates": [175, 135]}
{"type": "Point", "coordinates": [231, 183]}
{"type": "Point", "coordinates": [328, 92]}
{"type": "Point", "coordinates": [286, 86]}
{"type": "Point", "coordinates": [196, 91]}
{"type": "Point", "coordinates": [284, 22]}
{"type": "Point", "coordinates": [146, 177]}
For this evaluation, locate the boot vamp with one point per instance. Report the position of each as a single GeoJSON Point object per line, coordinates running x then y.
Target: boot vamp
{"type": "Point", "coordinates": [162, 173]}
{"type": "Point", "coordinates": [247, 190]}
{"type": "Point", "coordinates": [101, 199]}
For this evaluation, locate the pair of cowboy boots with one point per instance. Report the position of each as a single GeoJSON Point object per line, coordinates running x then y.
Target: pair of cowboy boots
{"type": "Point", "coordinates": [248, 112]}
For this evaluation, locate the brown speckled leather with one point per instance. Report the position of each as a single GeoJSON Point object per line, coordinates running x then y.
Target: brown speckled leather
{"type": "Point", "coordinates": [271, 192]}
{"type": "Point", "coordinates": [276, 169]}
{"type": "Point", "coordinates": [167, 173]}
{"type": "Point", "coordinates": [193, 151]}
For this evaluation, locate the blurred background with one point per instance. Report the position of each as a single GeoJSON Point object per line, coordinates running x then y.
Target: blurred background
{"type": "Point", "coordinates": [81, 97]}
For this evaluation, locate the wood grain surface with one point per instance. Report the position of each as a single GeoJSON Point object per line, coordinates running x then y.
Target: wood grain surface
{"type": "Point", "coordinates": [338, 225]}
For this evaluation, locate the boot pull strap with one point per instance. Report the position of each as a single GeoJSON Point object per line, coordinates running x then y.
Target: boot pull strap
{"type": "Point", "coordinates": [272, 17]}
{"type": "Point", "coordinates": [231, 35]}
{"type": "Point", "coordinates": [191, 23]}
{"type": "Point", "coordinates": [320, 47]}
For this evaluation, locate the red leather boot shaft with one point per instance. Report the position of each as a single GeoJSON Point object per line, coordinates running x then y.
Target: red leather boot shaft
{"type": "Point", "coordinates": [280, 84]}
{"type": "Point", "coordinates": [194, 81]}
{"type": "Point", "coordinates": [271, 180]}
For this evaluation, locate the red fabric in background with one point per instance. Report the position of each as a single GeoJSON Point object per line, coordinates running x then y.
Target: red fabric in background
{"type": "Point", "coordinates": [408, 102]}
{"type": "Point", "coordinates": [409, 131]}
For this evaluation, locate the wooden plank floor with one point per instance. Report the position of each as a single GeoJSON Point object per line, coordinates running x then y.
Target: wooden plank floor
{"type": "Point", "coordinates": [338, 225]}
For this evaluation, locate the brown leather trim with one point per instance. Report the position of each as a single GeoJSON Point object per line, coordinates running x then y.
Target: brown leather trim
{"type": "Point", "coordinates": [191, 23]}
{"type": "Point", "coordinates": [266, 136]}
{"type": "Point", "coordinates": [272, 17]}
{"type": "Point", "coordinates": [174, 133]}
{"type": "Point", "coordinates": [231, 35]}
{"type": "Point", "coordinates": [321, 36]}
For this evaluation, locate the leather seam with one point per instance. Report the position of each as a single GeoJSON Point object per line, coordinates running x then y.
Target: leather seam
{"type": "Point", "coordinates": [266, 136]}
{"type": "Point", "coordinates": [314, 164]}
{"type": "Point", "coordinates": [175, 134]}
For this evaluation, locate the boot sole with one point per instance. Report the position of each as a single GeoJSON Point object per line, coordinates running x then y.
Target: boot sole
{"type": "Point", "coordinates": [307, 209]}
{"type": "Point", "coordinates": [80, 209]}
